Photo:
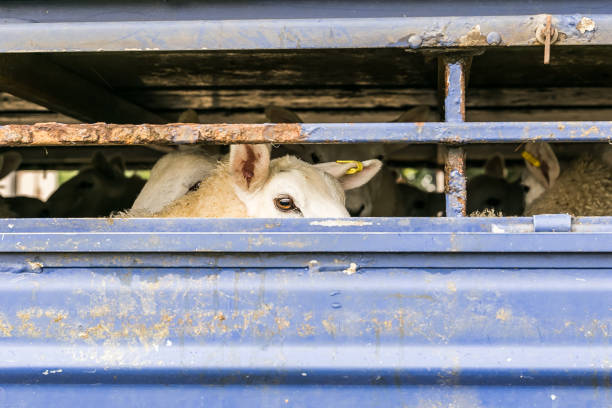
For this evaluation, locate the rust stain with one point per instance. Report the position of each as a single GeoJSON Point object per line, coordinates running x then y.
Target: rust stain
{"type": "Point", "coordinates": [27, 328]}
{"type": "Point", "coordinates": [380, 326]}
{"type": "Point", "coordinates": [281, 323]}
{"type": "Point", "coordinates": [473, 37]}
{"type": "Point", "coordinates": [6, 329]}
{"type": "Point", "coordinates": [592, 129]}
{"type": "Point", "coordinates": [585, 24]}
{"type": "Point", "coordinates": [56, 316]}
{"type": "Point", "coordinates": [53, 134]}
{"type": "Point", "coordinates": [266, 320]}
{"type": "Point", "coordinates": [306, 330]}
{"type": "Point", "coordinates": [99, 311]}
{"type": "Point", "coordinates": [351, 270]}
{"type": "Point", "coordinates": [503, 314]}
{"type": "Point", "coordinates": [35, 266]}
{"type": "Point", "coordinates": [329, 326]}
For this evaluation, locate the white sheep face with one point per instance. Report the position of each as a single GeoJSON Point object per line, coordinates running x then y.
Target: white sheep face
{"type": "Point", "coordinates": [288, 187]}
{"type": "Point", "coordinates": [295, 190]}
{"type": "Point", "coordinates": [533, 188]}
{"type": "Point", "coordinates": [536, 179]}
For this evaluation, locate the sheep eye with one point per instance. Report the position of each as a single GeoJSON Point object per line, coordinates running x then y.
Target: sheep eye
{"type": "Point", "coordinates": [526, 189]}
{"type": "Point", "coordinates": [195, 186]}
{"type": "Point", "coordinates": [285, 203]}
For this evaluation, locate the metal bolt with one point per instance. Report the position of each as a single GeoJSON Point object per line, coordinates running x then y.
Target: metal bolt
{"type": "Point", "coordinates": [493, 38]}
{"type": "Point", "coordinates": [415, 41]}
{"type": "Point", "coordinates": [541, 34]}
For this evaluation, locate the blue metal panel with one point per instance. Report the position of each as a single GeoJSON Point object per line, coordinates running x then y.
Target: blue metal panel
{"type": "Point", "coordinates": [247, 34]}
{"type": "Point", "coordinates": [150, 322]}
{"type": "Point", "coordinates": [296, 236]}
{"type": "Point", "coordinates": [302, 396]}
{"type": "Point", "coordinates": [472, 132]}
{"type": "Point", "coordinates": [55, 11]}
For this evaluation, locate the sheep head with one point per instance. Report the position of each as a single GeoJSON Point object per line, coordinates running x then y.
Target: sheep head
{"type": "Point", "coordinates": [289, 187]}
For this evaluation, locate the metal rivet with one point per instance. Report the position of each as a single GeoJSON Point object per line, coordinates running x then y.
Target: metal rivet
{"type": "Point", "coordinates": [493, 38]}
{"type": "Point", "coordinates": [415, 41]}
{"type": "Point", "coordinates": [541, 34]}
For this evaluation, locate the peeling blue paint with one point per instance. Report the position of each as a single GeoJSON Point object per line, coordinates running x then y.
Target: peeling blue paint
{"type": "Point", "coordinates": [296, 33]}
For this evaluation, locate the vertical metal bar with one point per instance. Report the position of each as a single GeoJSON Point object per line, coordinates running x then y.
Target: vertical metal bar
{"type": "Point", "coordinates": [452, 79]}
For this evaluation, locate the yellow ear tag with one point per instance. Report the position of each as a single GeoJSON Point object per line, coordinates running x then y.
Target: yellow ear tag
{"type": "Point", "coordinates": [358, 166]}
{"type": "Point", "coordinates": [530, 158]}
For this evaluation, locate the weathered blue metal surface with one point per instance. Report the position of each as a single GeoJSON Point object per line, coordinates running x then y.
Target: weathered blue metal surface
{"type": "Point", "coordinates": [454, 89]}
{"type": "Point", "coordinates": [298, 33]}
{"type": "Point", "coordinates": [472, 132]}
{"type": "Point", "coordinates": [150, 322]}
{"type": "Point", "coordinates": [54, 11]}
{"type": "Point", "coordinates": [297, 236]}
{"type": "Point", "coordinates": [552, 223]}
{"type": "Point", "coordinates": [453, 72]}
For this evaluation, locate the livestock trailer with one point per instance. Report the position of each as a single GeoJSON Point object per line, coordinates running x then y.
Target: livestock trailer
{"type": "Point", "coordinates": [451, 311]}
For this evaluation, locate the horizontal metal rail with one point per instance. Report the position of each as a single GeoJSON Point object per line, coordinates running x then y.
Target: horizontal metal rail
{"type": "Point", "coordinates": [393, 32]}
{"type": "Point", "coordinates": [361, 235]}
{"type": "Point", "coordinates": [51, 134]}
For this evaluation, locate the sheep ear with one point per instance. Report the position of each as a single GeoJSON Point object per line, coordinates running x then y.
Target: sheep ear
{"type": "Point", "coordinates": [495, 166]}
{"type": "Point", "coordinates": [249, 165]}
{"type": "Point", "coordinates": [117, 163]}
{"type": "Point", "coordinates": [276, 114]}
{"type": "Point", "coordinates": [9, 161]}
{"type": "Point", "coordinates": [351, 181]}
{"type": "Point", "coordinates": [548, 170]}
{"type": "Point", "coordinates": [188, 116]}
{"type": "Point", "coordinates": [416, 114]}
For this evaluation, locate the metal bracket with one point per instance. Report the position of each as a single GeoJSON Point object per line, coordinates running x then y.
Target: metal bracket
{"type": "Point", "coordinates": [552, 223]}
{"type": "Point", "coordinates": [546, 34]}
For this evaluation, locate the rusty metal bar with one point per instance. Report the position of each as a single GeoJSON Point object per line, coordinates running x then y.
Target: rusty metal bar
{"type": "Point", "coordinates": [452, 78]}
{"type": "Point", "coordinates": [454, 133]}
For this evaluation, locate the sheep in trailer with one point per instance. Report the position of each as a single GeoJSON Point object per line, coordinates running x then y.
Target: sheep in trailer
{"type": "Point", "coordinates": [19, 206]}
{"type": "Point", "coordinates": [172, 176]}
{"type": "Point", "coordinates": [537, 179]}
{"type": "Point", "coordinates": [97, 190]}
{"type": "Point", "coordinates": [9, 162]}
{"type": "Point", "coordinates": [250, 184]}
{"type": "Point", "coordinates": [492, 193]}
{"type": "Point", "coordinates": [419, 203]}
{"type": "Point", "coordinates": [379, 198]}
{"type": "Point", "coordinates": [583, 188]}
{"type": "Point", "coordinates": [177, 172]}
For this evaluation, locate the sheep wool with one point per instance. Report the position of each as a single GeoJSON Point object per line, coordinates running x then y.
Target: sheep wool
{"type": "Point", "coordinates": [215, 198]}
{"type": "Point", "coordinates": [583, 189]}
